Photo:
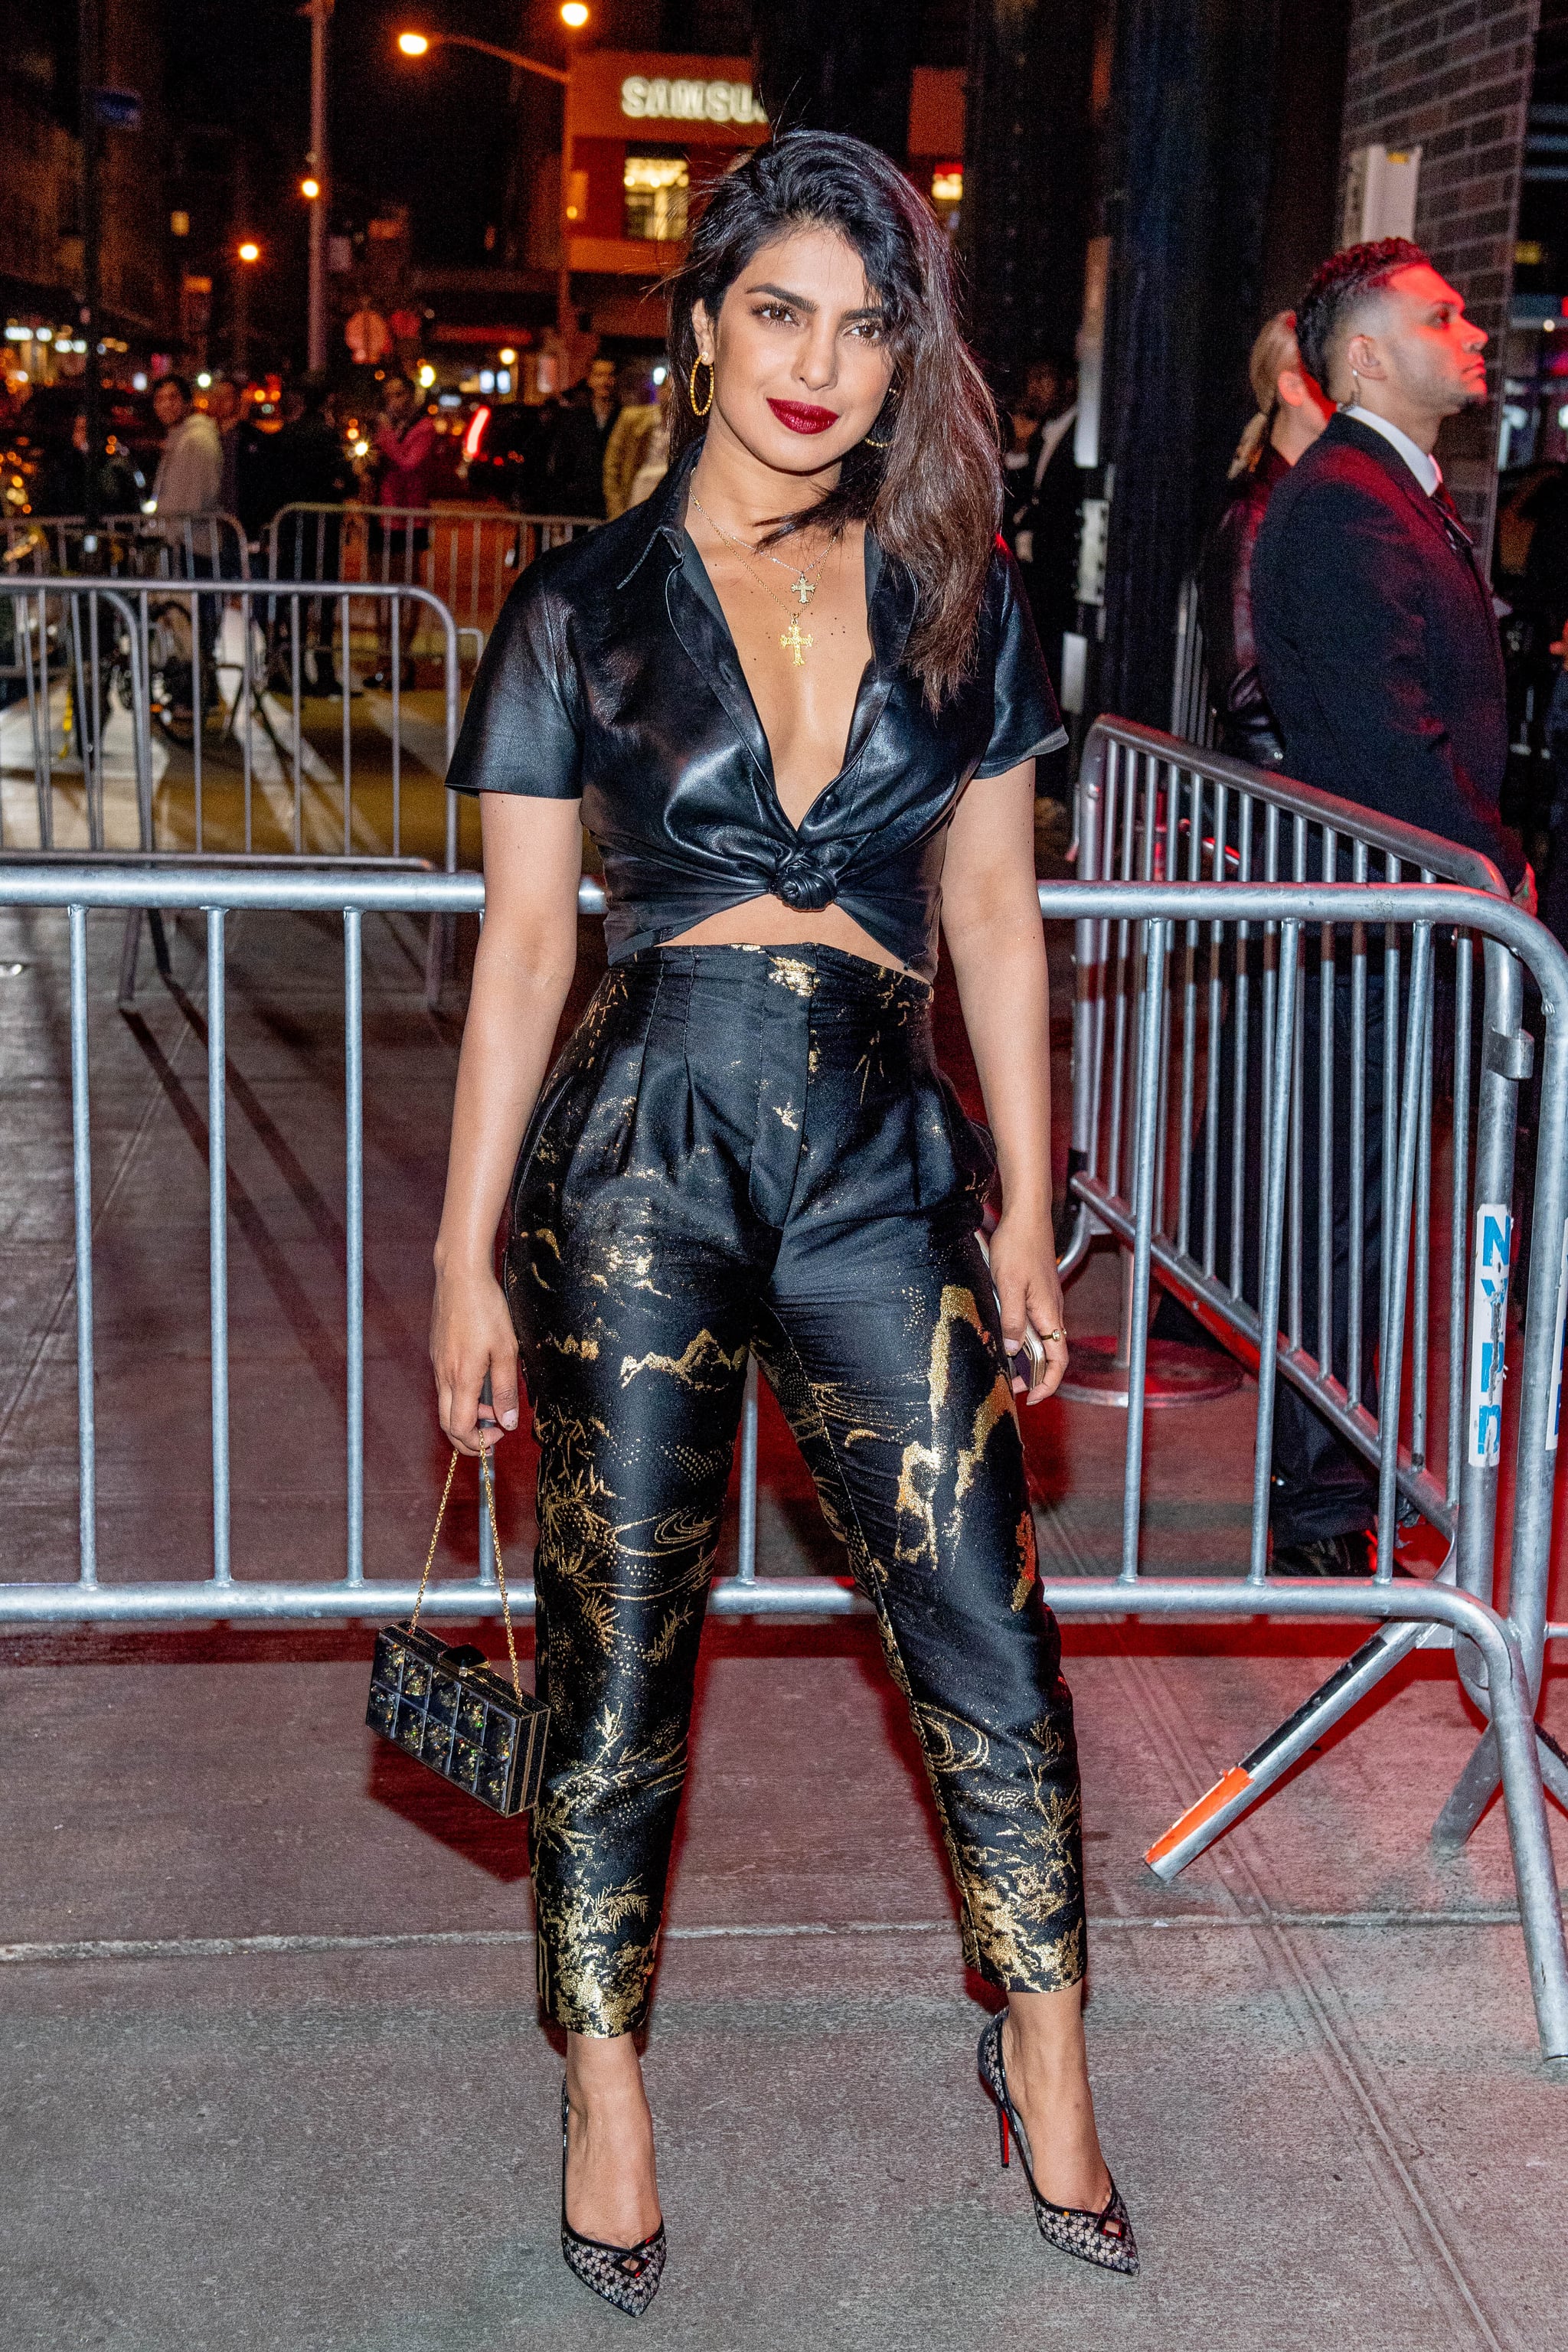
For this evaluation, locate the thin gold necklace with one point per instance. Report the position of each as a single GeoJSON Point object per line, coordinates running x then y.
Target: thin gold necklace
{"type": "Point", "coordinates": [796, 642]}
{"type": "Point", "coordinates": [805, 585]}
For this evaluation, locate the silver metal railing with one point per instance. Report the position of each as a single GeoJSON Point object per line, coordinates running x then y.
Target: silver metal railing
{"type": "Point", "coordinates": [1282, 913]}
{"type": "Point", "coordinates": [1151, 809]}
{"type": "Point", "coordinates": [192, 719]}
{"type": "Point", "coordinates": [127, 546]}
{"type": "Point", "coordinates": [1192, 708]}
{"type": "Point", "coordinates": [221, 686]}
{"type": "Point", "coordinates": [469, 556]}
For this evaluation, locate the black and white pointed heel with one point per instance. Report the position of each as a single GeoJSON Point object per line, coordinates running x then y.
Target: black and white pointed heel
{"type": "Point", "coordinates": [626, 2276]}
{"type": "Point", "coordinates": [1104, 2238]}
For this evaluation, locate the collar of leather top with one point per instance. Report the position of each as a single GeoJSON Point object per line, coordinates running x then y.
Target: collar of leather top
{"type": "Point", "coordinates": [890, 598]}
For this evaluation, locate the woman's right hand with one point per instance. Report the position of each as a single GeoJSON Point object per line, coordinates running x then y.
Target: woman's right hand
{"type": "Point", "coordinates": [471, 1338]}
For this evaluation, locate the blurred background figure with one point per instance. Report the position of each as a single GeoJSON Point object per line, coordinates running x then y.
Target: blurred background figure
{"type": "Point", "coordinates": [537, 460]}
{"type": "Point", "coordinates": [310, 468]}
{"type": "Point", "coordinates": [189, 480]}
{"type": "Point", "coordinates": [1292, 410]}
{"type": "Point", "coordinates": [1043, 492]}
{"type": "Point", "coordinates": [581, 441]}
{"type": "Point", "coordinates": [243, 489]}
{"type": "Point", "coordinates": [403, 455]}
{"type": "Point", "coordinates": [187, 485]}
{"type": "Point", "coordinates": [629, 437]}
{"type": "Point", "coordinates": [656, 449]}
{"type": "Point", "coordinates": [121, 485]}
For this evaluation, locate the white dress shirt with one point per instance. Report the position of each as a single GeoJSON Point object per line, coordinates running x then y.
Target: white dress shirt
{"type": "Point", "coordinates": [1424, 465]}
{"type": "Point", "coordinates": [1052, 436]}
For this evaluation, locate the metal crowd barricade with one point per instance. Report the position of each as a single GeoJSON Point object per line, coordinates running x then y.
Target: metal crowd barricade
{"type": "Point", "coordinates": [469, 556]}
{"type": "Point", "coordinates": [200, 693]}
{"type": "Point", "coordinates": [1152, 810]}
{"type": "Point", "coordinates": [128, 546]}
{"type": "Point", "coordinates": [1280, 913]}
{"type": "Point", "coordinates": [1192, 708]}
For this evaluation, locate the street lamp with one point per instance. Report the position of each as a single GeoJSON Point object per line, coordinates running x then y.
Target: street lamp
{"type": "Point", "coordinates": [572, 14]}
{"type": "Point", "coordinates": [309, 189]}
{"type": "Point", "coordinates": [248, 253]}
{"type": "Point", "coordinates": [419, 45]}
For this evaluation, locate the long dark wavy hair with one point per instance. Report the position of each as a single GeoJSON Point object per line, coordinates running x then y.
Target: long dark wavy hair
{"type": "Point", "coordinates": [933, 496]}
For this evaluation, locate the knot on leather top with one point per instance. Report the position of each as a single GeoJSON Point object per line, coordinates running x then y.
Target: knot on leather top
{"type": "Point", "coordinates": [803, 882]}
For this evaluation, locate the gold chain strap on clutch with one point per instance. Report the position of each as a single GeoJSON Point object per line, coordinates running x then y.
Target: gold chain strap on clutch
{"type": "Point", "coordinates": [486, 1480]}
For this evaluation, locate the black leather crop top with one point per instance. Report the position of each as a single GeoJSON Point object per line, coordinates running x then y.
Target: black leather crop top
{"type": "Point", "coordinates": [611, 677]}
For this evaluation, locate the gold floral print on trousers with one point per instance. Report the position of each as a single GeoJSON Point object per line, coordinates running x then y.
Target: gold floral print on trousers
{"type": "Point", "coordinates": [669, 1221]}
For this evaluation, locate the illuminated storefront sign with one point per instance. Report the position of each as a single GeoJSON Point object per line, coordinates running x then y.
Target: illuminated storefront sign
{"type": "Point", "coordinates": [657, 98]}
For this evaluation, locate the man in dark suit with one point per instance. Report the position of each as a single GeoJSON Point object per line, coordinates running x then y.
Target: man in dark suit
{"type": "Point", "coordinates": [581, 438]}
{"type": "Point", "coordinates": [1375, 630]}
{"type": "Point", "coordinates": [1380, 657]}
{"type": "Point", "coordinates": [1043, 492]}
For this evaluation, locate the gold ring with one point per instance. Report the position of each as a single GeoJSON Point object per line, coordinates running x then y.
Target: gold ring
{"type": "Point", "coordinates": [1057, 1334]}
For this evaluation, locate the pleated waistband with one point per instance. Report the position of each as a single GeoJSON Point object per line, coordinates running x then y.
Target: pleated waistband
{"type": "Point", "coordinates": [812, 972]}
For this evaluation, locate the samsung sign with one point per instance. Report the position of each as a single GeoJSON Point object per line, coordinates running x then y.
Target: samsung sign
{"type": "Point", "coordinates": [653, 98]}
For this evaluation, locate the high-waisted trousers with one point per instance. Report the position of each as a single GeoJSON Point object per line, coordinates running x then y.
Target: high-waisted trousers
{"type": "Point", "coordinates": [748, 1148]}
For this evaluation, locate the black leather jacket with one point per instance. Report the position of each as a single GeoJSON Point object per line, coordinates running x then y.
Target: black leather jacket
{"type": "Point", "coordinates": [611, 677]}
{"type": "Point", "coordinates": [1247, 726]}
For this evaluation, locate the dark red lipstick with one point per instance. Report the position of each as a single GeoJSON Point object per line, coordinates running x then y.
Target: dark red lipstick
{"type": "Point", "coordinates": [801, 418]}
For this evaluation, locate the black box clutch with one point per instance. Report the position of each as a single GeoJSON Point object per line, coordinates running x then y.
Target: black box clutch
{"type": "Point", "coordinates": [446, 1706]}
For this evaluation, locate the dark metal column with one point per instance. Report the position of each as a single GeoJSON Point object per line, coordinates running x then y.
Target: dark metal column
{"type": "Point", "coordinates": [839, 65]}
{"type": "Point", "coordinates": [1192, 106]}
{"type": "Point", "coordinates": [1028, 172]}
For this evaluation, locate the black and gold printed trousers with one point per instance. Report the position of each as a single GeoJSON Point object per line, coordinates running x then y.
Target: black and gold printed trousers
{"type": "Point", "coordinates": [749, 1147]}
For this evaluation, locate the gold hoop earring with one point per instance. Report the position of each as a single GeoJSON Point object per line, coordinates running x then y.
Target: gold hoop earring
{"type": "Point", "coordinates": [696, 362]}
{"type": "Point", "coordinates": [893, 421]}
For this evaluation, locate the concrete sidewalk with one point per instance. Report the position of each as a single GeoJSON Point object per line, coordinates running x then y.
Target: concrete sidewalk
{"type": "Point", "coordinates": [272, 2075]}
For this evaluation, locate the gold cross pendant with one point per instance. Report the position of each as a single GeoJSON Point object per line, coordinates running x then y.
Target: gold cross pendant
{"type": "Point", "coordinates": [805, 589]}
{"type": "Point", "coordinates": [795, 642]}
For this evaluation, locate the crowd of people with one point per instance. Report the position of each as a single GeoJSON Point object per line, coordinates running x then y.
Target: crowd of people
{"type": "Point", "coordinates": [592, 454]}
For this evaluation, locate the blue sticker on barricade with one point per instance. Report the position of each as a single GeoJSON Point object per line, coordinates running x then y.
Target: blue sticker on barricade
{"type": "Point", "coordinates": [1488, 1332]}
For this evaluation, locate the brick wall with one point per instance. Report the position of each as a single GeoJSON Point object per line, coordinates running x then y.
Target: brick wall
{"type": "Point", "coordinates": [1456, 80]}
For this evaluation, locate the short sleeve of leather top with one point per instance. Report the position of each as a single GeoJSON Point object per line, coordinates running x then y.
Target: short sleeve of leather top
{"type": "Point", "coordinates": [611, 677]}
{"type": "Point", "coordinates": [522, 732]}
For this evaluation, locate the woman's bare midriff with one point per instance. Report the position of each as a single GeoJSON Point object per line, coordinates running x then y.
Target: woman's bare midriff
{"type": "Point", "coordinates": [767, 922]}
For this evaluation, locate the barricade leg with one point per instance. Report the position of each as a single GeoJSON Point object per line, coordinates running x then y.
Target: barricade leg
{"type": "Point", "coordinates": [1237, 1791]}
{"type": "Point", "coordinates": [126, 994]}
{"type": "Point", "coordinates": [1477, 1785]}
{"type": "Point", "coordinates": [1535, 1874]}
{"type": "Point", "coordinates": [746, 1550]}
{"type": "Point", "coordinates": [1174, 1374]}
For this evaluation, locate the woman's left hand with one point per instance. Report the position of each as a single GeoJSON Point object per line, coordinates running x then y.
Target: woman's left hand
{"type": "Point", "coordinates": [1024, 1269]}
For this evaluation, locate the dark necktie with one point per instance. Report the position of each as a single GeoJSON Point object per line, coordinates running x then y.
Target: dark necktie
{"type": "Point", "coordinates": [1457, 537]}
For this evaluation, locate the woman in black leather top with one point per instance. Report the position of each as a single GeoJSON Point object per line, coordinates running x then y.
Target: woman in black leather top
{"type": "Point", "coordinates": [1291, 412]}
{"type": "Point", "coordinates": [796, 697]}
